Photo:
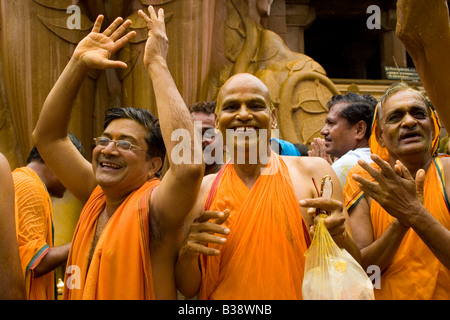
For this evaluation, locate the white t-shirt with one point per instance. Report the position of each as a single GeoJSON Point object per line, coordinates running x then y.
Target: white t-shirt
{"type": "Point", "coordinates": [343, 165]}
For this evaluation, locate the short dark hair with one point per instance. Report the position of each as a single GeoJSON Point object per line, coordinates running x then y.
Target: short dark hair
{"type": "Point", "coordinates": [208, 107]}
{"type": "Point", "coordinates": [359, 107]}
{"type": "Point", "coordinates": [36, 156]}
{"type": "Point", "coordinates": [153, 138]}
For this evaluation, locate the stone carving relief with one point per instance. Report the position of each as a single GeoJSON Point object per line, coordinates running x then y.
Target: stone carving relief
{"type": "Point", "coordinates": [210, 40]}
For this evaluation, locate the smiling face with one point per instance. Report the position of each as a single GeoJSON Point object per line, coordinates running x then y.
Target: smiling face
{"type": "Point", "coordinates": [244, 107]}
{"type": "Point", "coordinates": [405, 126]}
{"type": "Point", "coordinates": [122, 170]}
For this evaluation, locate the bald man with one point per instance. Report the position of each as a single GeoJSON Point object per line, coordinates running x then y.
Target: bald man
{"type": "Point", "coordinates": [253, 248]}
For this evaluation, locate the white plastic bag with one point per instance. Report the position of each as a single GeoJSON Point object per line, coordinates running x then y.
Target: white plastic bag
{"type": "Point", "coordinates": [331, 273]}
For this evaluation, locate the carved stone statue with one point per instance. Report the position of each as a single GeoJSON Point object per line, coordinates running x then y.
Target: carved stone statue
{"type": "Point", "coordinates": [298, 84]}
{"type": "Point", "coordinates": [210, 40]}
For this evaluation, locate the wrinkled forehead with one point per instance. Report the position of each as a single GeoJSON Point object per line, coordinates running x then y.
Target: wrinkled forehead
{"type": "Point", "coordinates": [243, 87]}
{"type": "Point", "coordinates": [402, 100]}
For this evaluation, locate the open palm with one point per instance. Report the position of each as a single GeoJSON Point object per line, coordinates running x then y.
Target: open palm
{"type": "Point", "coordinates": [96, 49]}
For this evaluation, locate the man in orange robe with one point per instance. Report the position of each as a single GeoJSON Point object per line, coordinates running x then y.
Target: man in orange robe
{"type": "Point", "coordinates": [33, 185]}
{"type": "Point", "coordinates": [11, 276]}
{"type": "Point", "coordinates": [261, 233]}
{"type": "Point", "coordinates": [398, 207]}
{"type": "Point", "coordinates": [127, 238]}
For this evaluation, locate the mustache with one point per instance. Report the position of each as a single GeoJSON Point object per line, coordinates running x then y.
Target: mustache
{"type": "Point", "coordinates": [414, 131]}
{"type": "Point", "coordinates": [109, 159]}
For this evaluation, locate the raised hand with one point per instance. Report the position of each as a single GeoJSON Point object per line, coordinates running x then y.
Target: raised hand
{"type": "Point", "coordinates": [157, 43]}
{"type": "Point", "coordinates": [96, 49]}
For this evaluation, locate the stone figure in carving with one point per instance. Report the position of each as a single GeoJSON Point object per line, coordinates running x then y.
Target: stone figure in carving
{"type": "Point", "coordinates": [298, 85]}
{"type": "Point", "coordinates": [32, 64]}
{"type": "Point", "coordinates": [210, 41]}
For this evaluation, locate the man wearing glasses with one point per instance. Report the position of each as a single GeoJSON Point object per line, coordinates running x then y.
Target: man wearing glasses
{"type": "Point", "coordinates": [126, 241]}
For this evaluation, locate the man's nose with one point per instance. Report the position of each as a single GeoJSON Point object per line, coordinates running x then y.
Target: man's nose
{"type": "Point", "coordinates": [409, 120]}
{"type": "Point", "coordinates": [110, 148]}
{"type": "Point", "coordinates": [244, 113]}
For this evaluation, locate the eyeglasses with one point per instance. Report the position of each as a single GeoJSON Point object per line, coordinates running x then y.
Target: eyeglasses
{"type": "Point", "coordinates": [120, 144]}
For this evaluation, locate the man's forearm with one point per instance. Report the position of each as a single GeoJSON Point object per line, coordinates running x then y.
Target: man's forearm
{"type": "Point", "coordinates": [172, 111]}
{"type": "Point", "coordinates": [433, 234]}
{"type": "Point", "coordinates": [54, 258]}
{"type": "Point", "coordinates": [53, 122]}
{"type": "Point", "coordinates": [382, 250]}
{"type": "Point", "coordinates": [188, 275]}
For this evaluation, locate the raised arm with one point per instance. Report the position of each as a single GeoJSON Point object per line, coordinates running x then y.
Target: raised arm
{"type": "Point", "coordinates": [50, 134]}
{"type": "Point", "coordinates": [423, 27]}
{"type": "Point", "coordinates": [178, 191]}
{"type": "Point", "coordinates": [11, 276]}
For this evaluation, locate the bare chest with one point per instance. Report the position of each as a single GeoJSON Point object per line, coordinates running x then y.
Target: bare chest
{"type": "Point", "coordinates": [101, 224]}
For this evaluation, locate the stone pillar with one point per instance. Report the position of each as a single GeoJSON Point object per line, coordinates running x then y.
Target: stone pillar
{"type": "Point", "coordinates": [392, 49]}
{"type": "Point", "coordinates": [276, 21]}
{"type": "Point", "coordinates": [298, 19]}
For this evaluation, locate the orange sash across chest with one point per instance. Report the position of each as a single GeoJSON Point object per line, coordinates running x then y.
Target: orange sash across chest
{"type": "Point", "coordinates": [120, 267]}
{"type": "Point", "coordinates": [263, 257]}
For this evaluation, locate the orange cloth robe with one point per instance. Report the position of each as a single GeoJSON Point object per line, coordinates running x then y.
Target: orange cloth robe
{"type": "Point", "coordinates": [120, 267]}
{"type": "Point", "coordinates": [263, 257]}
{"type": "Point", "coordinates": [415, 273]}
{"type": "Point", "coordinates": [34, 226]}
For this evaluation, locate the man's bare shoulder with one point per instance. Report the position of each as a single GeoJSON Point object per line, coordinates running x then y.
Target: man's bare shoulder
{"type": "Point", "coordinates": [198, 207]}
{"type": "Point", "coordinates": [310, 164]}
{"type": "Point", "coordinates": [446, 166]}
{"type": "Point", "coordinates": [305, 168]}
{"type": "Point", "coordinates": [445, 162]}
{"type": "Point", "coordinates": [206, 185]}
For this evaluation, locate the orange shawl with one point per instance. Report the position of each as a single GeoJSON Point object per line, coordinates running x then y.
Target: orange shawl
{"type": "Point", "coordinates": [34, 224]}
{"type": "Point", "coordinates": [120, 267]}
{"type": "Point", "coordinates": [263, 257]}
{"type": "Point", "coordinates": [415, 273]}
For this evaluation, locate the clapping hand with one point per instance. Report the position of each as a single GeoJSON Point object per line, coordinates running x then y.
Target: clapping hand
{"type": "Point", "coordinates": [395, 189]}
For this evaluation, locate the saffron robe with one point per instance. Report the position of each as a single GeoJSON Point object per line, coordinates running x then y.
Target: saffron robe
{"type": "Point", "coordinates": [120, 267]}
{"type": "Point", "coordinates": [34, 227]}
{"type": "Point", "coordinates": [414, 273]}
{"type": "Point", "coordinates": [263, 257]}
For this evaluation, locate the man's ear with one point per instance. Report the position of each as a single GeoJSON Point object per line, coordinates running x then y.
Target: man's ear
{"type": "Point", "coordinates": [274, 118]}
{"type": "Point", "coordinates": [154, 165]}
{"type": "Point", "coordinates": [361, 128]}
{"type": "Point", "coordinates": [378, 136]}
{"type": "Point", "coordinates": [216, 120]}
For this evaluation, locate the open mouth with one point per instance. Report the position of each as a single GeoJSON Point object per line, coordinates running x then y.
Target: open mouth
{"type": "Point", "coordinates": [110, 165]}
{"type": "Point", "coordinates": [242, 129]}
{"type": "Point", "coordinates": [411, 136]}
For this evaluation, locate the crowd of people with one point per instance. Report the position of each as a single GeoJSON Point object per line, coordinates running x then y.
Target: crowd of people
{"type": "Point", "coordinates": [238, 229]}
